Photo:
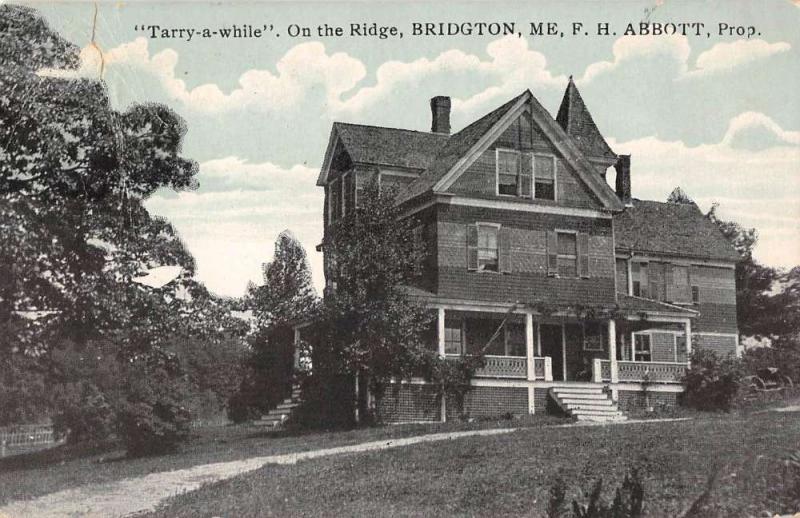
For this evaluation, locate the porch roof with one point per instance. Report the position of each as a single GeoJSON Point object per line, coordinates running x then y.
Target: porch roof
{"type": "Point", "coordinates": [631, 304]}
{"type": "Point", "coordinates": [628, 305]}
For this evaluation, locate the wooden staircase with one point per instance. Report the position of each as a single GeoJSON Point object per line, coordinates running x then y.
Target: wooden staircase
{"type": "Point", "coordinates": [280, 414]}
{"type": "Point", "coordinates": [586, 402]}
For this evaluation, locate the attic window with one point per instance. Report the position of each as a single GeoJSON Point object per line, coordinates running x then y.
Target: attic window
{"type": "Point", "coordinates": [507, 172]}
{"type": "Point", "coordinates": [544, 172]}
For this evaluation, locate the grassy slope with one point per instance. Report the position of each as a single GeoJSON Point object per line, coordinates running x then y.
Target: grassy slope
{"type": "Point", "coordinates": [511, 475]}
{"type": "Point", "coordinates": [42, 472]}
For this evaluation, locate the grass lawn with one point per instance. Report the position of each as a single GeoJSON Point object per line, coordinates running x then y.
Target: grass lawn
{"type": "Point", "coordinates": [38, 473]}
{"type": "Point", "coordinates": [510, 475]}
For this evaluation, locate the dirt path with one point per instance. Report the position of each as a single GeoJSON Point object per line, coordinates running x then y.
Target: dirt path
{"type": "Point", "coordinates": [142, 494]}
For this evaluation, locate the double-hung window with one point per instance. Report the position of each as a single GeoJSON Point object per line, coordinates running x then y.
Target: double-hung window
{"type": "Point", "coordinates": [567, 246]}
{"type": "Point", "coordinates": [453, 336]}
{"type": "Point", "coordinates": [544, 175]}
{"type": "Point", "coordinates": [641, 348]}
{"type": "Point", "coordinates": [488, 256]}
{"type": "Point", "coordinates": [507, 172]}
{"type": "Point", "coordinates": [639, 279]}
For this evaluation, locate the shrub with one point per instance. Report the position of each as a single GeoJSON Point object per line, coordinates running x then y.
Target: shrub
{"type": "Point", "coordinates": [84, 414]}
{"type": "Point", "coordinates": [628, 500]}
{"type": "Point", "coordinates": [152, 418]}
{"type": "Point", "coordinates": [711, 381]}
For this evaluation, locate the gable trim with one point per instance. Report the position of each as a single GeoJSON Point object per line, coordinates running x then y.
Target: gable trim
{"type": "Point", "coordinates": [462, 201]}
{"type": "Point", "coordinates": [333, 140]}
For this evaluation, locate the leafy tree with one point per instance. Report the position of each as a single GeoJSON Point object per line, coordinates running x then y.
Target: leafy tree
{"type": "Point", "coordinates": [754, 281]}
{"type": "Point", "coordinates": [679, 196]}
{"type": "Point", "coordinates": [78, 244]}
{"type": "Point", "coordinates": [286, 296]}
{"type": "Point", "coordinates": [371, 329]}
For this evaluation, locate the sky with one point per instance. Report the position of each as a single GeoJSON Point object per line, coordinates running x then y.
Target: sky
{"type": "Point", "coordinates": [717, 115]}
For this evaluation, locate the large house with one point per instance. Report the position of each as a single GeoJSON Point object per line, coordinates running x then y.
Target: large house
{"type": "Point", "coordinates": [601, 296]}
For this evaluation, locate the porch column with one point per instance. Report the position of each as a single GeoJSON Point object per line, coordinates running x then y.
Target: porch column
{"type": "Point", "coordinates": [530, 360]}
{"type": "Point", "coordinates": [687, 328]}
{"type": "Point", "coordinates": [612, 349]}
{"type": "Point", "coordinates": [297, 348]}
{"type": "Point", "coordinates": [630, 276]}
{"type": "Point", "coordinates": [440, 348]}
{"type": "Point", "coordinates": [440, 332]}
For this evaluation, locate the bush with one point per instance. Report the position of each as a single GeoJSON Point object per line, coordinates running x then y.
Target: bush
{"type": "Point", "coordinates": [152, 418]}
{"type": "Point", "coordinates": [712, 382]}
{"type": "Point", "coordinates": [84, 414]}
{"type": "Point", "coordinates": [628, 500]}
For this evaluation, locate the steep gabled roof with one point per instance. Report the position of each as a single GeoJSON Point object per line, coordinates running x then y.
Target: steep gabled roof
{"type": "Point", "coordinates": [447, 164]}
{"type": "Point", "coordinates": [577, 122]}
{"type": "Point", "coordinates": [671, 229]}
{"type": "Point", "coordinates": [456, 147]}
{"type": "Point", "coordinates": [384, 146]}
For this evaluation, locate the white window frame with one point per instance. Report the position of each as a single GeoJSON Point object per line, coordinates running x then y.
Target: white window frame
{"type": "Point", "coordinates": [463, 338]}
{"type": "Point", "coordinates": [555, 175]}
{"type": "Point", "coordinates": [649, 343]}
{"type": "Point", "coordinates": [497, 226]}
{"type": "Point", "coordinates": [559, 255]}
{"type": "Point", "coordinates": [497, 153]}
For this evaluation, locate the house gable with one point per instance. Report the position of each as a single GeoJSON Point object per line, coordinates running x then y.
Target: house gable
{"type": "Point", "coordinates": [527, 140]}
{"type": "Point", "coordinates": [469, 145]}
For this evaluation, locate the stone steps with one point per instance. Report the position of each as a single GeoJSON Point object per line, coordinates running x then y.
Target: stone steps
{"type": "Point", "coordinates": [586, 403]}
{"type": "Point", "coordinates": [276, 417]}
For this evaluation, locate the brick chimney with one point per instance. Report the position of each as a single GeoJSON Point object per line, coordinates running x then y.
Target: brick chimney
{"type": "Point", "coordinates": [440, 114]}
{"type": "Point", "coordinates": [623, 167]}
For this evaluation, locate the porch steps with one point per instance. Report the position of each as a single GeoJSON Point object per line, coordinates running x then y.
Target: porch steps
{"type": "Point", "coordinates": [586, 403]}
{"type": "Point", "coordinates": [276, 417]}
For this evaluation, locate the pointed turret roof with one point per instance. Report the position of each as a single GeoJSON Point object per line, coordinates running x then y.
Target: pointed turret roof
{"type": "Point", "coordinates": [577, 122]}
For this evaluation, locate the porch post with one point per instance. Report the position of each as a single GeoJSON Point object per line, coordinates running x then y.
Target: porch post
{"type": "Point", "coordinates": [440, 348]}
{"type": "Point", "coordinates": [687, 328]}
{"type": "Point", "coordinates": [612, 349]}
{"type": "Point", "coordinates": [297, 348]}
{"type": "Point", "coordinates": [530, 360]}
{"type": "Point", "coordinates": [440, 332]}
{"type": "Point", "coordinates": [630, 276]}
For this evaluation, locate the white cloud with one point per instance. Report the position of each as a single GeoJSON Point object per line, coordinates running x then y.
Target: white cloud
{"type": "Point", "coordinates": [629, 48]}
{"type": "Point", "coordinates": [727, 55]}
{"type": "Point", "coordinates": [721, 57]}
{"type": "Point", "coordinates": [755, 120]}
{"type": "Point", "coordinates": [231, 222]}
{"type": "Point", "coordinates": [757, 188]}
{"type": "Point", "coordinates": [512, 66]}
{"type": "Point", "coordinates": [303, 67]}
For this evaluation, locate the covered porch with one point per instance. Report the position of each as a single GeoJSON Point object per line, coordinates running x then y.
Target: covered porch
{"type": "Point", "coordinates": [639, 341]}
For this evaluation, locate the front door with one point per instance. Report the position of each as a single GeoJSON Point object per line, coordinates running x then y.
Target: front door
{"type": "Point", "coordinates": [552, 345]}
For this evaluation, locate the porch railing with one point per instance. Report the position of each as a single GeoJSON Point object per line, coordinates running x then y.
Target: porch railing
{"type": "Point", "coordinates": [656, 372]}
{"type": "Point", "coordinates": [504, 367]}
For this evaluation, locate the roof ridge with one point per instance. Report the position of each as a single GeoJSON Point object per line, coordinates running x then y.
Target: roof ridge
{"type": "Point", "coordinates": [341, 123]}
